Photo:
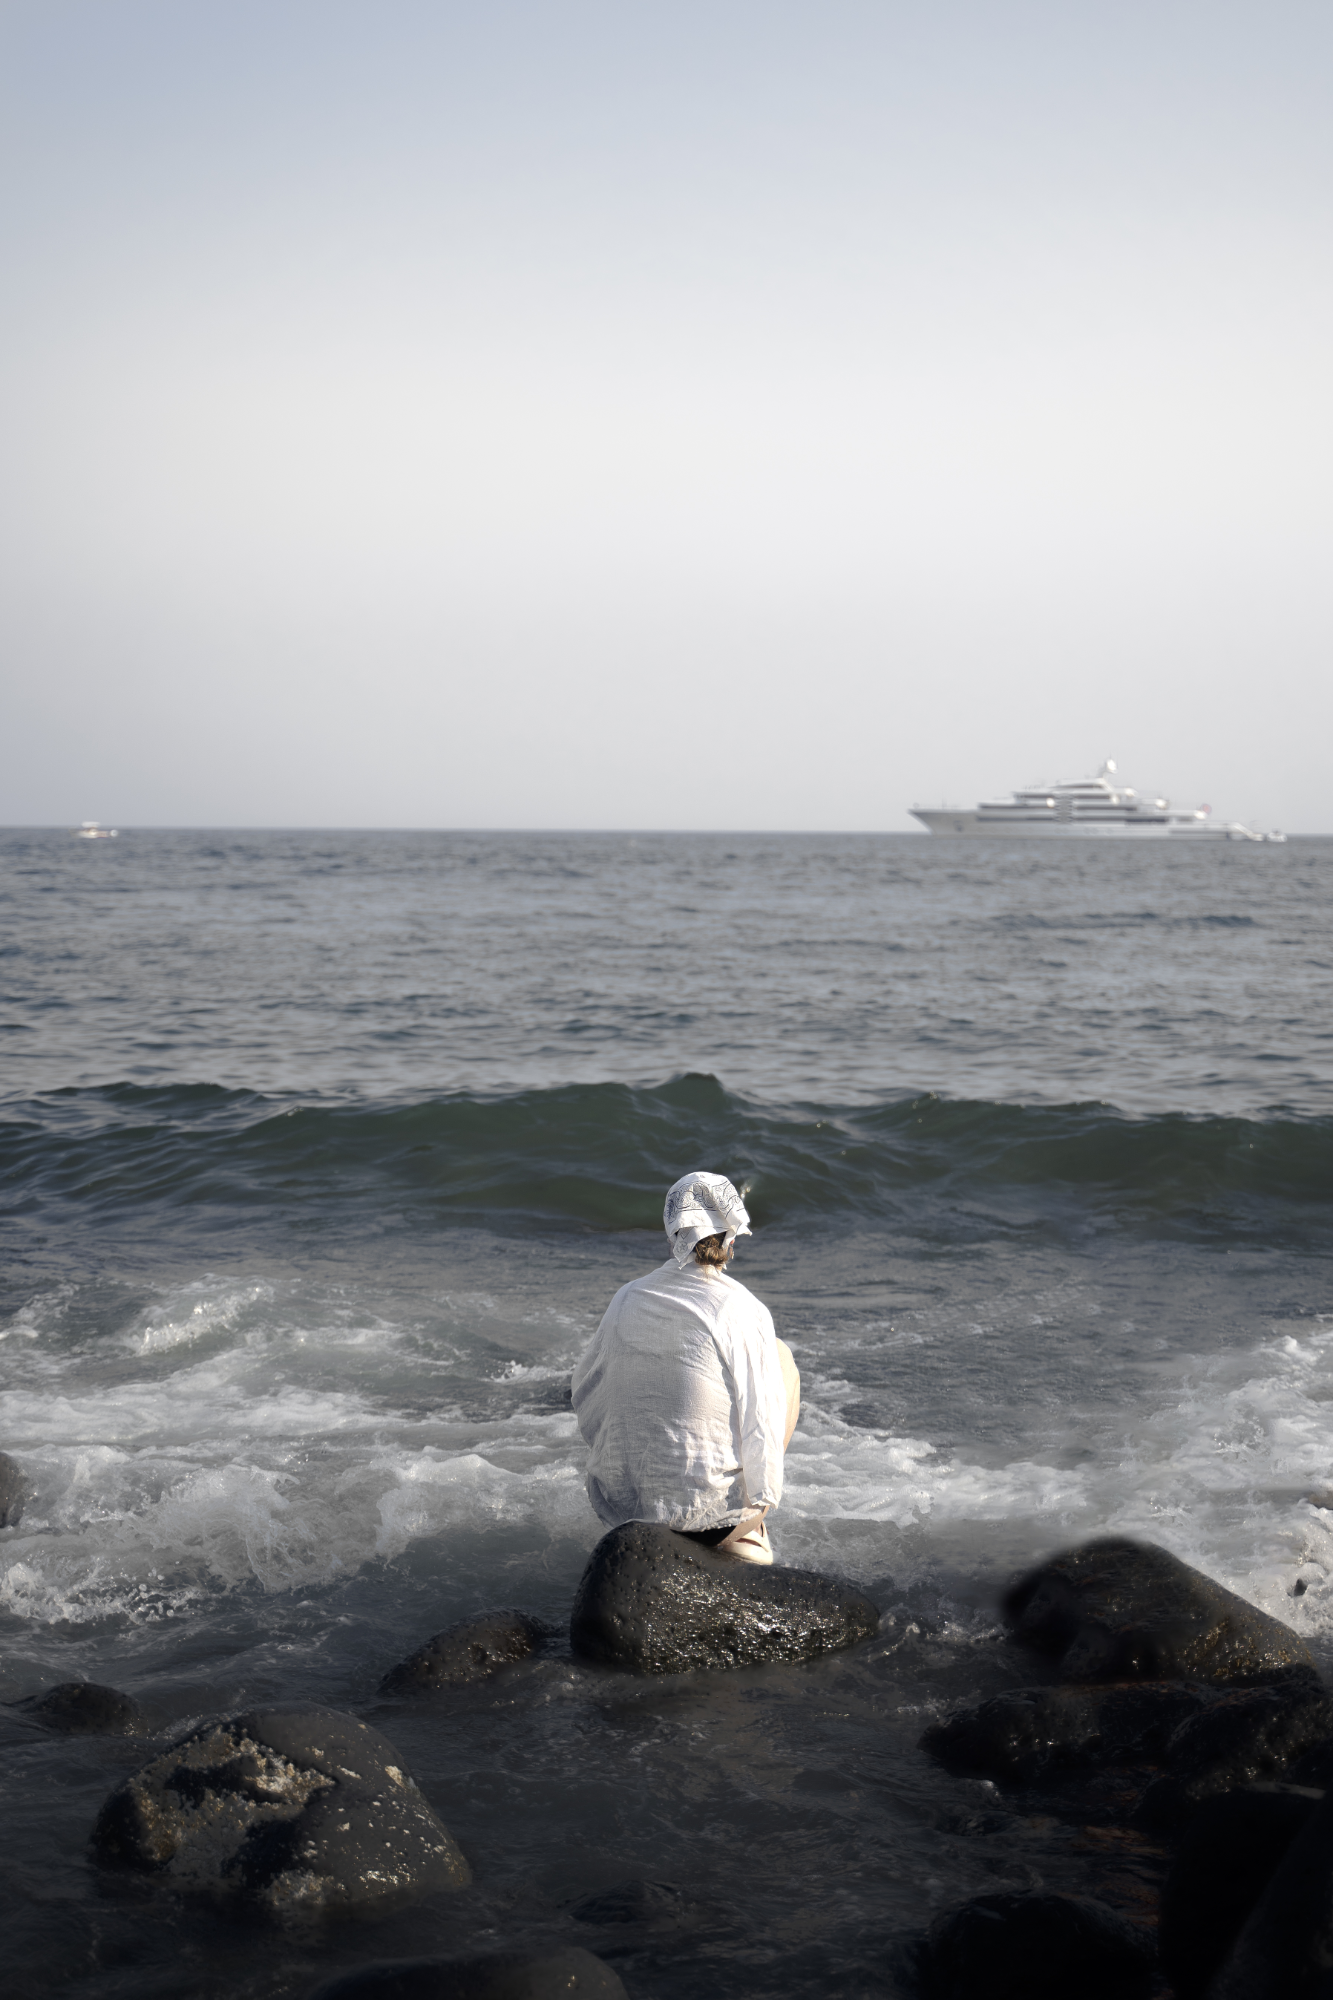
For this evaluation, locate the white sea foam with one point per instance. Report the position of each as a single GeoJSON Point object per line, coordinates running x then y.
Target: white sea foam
{"type": "Point", "coordinates": [249, 1437]}
{"type": "Point", "coordinates": [1220, 1470]}
{"type": "Point", "coordinates": [288, 1452]}
{"type": "Point", "coordinates": [168, 1327]}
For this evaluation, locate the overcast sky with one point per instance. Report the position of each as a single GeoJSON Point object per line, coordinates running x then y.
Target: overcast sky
{"type": "Point", "coordinates": [726, 414]}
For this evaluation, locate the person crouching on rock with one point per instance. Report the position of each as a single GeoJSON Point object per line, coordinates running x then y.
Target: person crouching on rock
{"type": "Point", "coordinates": [685, 1397]}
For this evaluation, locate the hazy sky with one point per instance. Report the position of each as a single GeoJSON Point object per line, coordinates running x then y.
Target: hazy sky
{"type": "Point", "coordinates": [727, 414]}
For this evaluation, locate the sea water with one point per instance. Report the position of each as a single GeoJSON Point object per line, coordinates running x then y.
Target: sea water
{"type": "Point", "coordinates": [320, 1157]}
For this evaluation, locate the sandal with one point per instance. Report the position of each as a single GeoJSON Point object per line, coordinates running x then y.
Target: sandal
{"type": "Point", "coordinates": [748, 1543]}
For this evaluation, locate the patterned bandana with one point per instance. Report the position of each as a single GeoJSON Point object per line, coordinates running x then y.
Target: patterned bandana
{"type": "Point", "coordinates": [702, 1205]}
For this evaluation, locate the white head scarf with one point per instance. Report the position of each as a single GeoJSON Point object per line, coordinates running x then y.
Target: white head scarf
{"type": "Point", "coordinates": [702, 1205]}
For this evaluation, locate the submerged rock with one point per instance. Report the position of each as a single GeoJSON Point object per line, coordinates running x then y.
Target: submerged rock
{"type": "Point", "coordinates": [1029, 1733]}
{"type": "Point", "coordinates": [1285, 1950]}
{"type": "Point", "coordinates": [1225, 1860]}
{"type": "Point", "coordinates": [555, 1975]}
{"type": "Point", "coordinates": [1037, 1946]}
{"type": "Point", "coordinates": [466, 1652]}
{"type": "Point", "coordinates": [1122, 1610]}
{"type": "Point", "coordinates": [633, 1902]}
{"type": "Point", "coordinates": [1242, 1737]}
{"type": "Point", "coordinates": [14, 1491]}
{"type": "Point", "coordinates": [656, 1603]}
{"type": "Point", "coordinates": [297, 1810]}
{"type": "Point", "coordinates": [82, 1708]}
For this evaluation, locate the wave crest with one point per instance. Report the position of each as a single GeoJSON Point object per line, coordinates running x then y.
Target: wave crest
{"type": "Point", "coordinates": [600, 1156]}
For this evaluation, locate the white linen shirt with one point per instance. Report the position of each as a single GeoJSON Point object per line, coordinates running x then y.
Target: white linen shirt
{"type": "Point", "coordinates": [681, 1401]}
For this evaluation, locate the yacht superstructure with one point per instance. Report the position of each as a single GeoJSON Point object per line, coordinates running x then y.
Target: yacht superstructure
{"type": "Point", "coordinates": [1099, 808]}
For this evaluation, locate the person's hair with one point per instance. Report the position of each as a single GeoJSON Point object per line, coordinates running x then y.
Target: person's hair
{"type": "Point", "coordinates": [714, 1250]}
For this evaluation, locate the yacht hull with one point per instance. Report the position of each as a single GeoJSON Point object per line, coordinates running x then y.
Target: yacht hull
{"type": "Point", "coordinates": [970, 825]}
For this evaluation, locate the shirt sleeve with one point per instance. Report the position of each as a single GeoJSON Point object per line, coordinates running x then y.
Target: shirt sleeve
{"type": "Point", "coordinates": [587, 1385]}
{"type": "Point", "coordinates": [761, 1398]}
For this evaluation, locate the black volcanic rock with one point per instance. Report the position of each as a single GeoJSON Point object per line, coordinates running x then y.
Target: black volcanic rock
{"type": "Point", "coordinates": [1225, 1859]}
{"type": "Point", "coordinates": [655, 1602]}
{"type": "Point", "coordinates": [633, 1902]}
{"type": "Point", "coordinates": [1285, 1950]}
{"type": "Point", "coordinates": [567, 1974]}
{"type": "Point", "coordinates": [299, 1810]}
{"type": "Point", "coordinates": [1029, 1733]}
{"type": "Point", "coordinates": [469, 1651]}
{"type": "Point", "coordinates": [82, 1708]}
{"type": "Point", "coordinates": [1037, 1946]}
{"type": "Point", "coordinates": [1122, 1610]}
{"type": "Point", "coordinates": [14, 1491]}
{"type": "Point", "coordinates": [1242, 1737]}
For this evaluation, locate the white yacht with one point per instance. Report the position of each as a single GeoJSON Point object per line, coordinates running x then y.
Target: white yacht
{"type": "Point", "coordinates": [94, 830]}
{"type": "Point", "coordinates": [1099, 808]}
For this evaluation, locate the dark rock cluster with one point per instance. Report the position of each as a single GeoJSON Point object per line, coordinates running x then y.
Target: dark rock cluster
{"type": "Point", "coordinates": [1209, 1713]}
{"type": "Point", "coordinates": [1032, 1733]}
{"type": "Point", "coordinates": [1180, 1713]}
{"type": "Point", "coordinates": [300, 1812]}
{"type": "Point", "coordinates": [1250, 1736]}
{"type": "Point", "coordinates": [1196, 1718]}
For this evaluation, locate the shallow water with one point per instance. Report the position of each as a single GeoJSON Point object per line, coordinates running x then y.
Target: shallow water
{"type": "Point", "coordinates": [320, 1156]}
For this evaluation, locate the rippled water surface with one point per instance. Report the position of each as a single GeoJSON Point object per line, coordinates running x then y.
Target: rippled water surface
{"type": "Point", "coordinates": [840, 969]}
{"type": "Point", "coordinates": [320, 1156]}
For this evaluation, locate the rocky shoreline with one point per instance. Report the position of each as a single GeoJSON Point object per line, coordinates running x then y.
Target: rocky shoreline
{"type": "Point", "coordinates": [1191, 1724]}
{"type": "Point", "coordinates": [1186, 1735]}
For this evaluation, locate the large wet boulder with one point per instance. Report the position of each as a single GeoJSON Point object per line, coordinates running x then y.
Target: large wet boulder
{"type": "Point", "coordinates": [568, 1974]}
{"type": "Point", "coordinates": [657, 1603]}
{"type": "Point", "coordinates": [1036, 1946]}
{"type": "Point", "coordinates": [1223, 1863]}
{"type": "Point", "coordinates": [296, 1810]}
{"type": "Point", "coordinates": [1030, 1733]}
{"type": "Point", "coordinates": [1285, 1950]}
{"type": "Point", "coordinates": [83, 1708]}
{"type": "Point", "coordinates": [14, 1491]}
{"type": "Point", "coordinates": [1244, 1736]}
{"type": "Point", "coordinates": [469, 1651]}
{"type": "Point", "coordinates": [1122, 1610]}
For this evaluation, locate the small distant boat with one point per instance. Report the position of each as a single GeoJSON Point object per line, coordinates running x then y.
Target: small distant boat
{"type": "Point", "coordinates": [93, 830]}
{"type": "Point", "coordinates": [1099, 808]}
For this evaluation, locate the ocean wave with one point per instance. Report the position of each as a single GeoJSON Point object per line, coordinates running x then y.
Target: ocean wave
{"type": "Point", "coordinates": [600, 1155]}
